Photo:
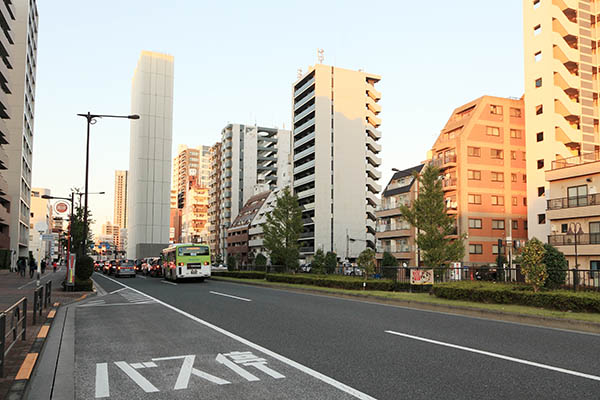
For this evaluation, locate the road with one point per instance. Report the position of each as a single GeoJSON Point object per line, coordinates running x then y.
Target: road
{"type": "Point", "coordinates": [313, 347]}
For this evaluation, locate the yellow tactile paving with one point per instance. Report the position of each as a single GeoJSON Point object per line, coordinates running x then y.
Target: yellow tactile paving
{"type": "Point", "coordinates": [43, 331]}
{"type": "Point", "coordinates": [27, 366]}
{"type": "Point", "coordinates": [52, 313]}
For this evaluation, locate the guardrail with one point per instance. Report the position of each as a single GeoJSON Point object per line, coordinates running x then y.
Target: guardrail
{"type": "Point", "coordinates": [17, 313]}
{"type": "Point", "coordinates": [38, 301]}
{"type": "Point", "coordinates": [48, 294]}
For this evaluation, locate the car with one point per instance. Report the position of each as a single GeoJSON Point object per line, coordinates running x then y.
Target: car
{"type": "Point", "coordinates": [218, 267]}
{"type": "Point", "coordinates": [125, 268]}
{"type": "Point", "coordinates": [138, 264]}
{"type": "Point", "coordinates": [306, 268]}
{"type": "Point", "coordinates": [112, 269]}
{"type": "Point", "coordinates": [106, 268]}
{"type": "Point", "coordinates": [152, 267]}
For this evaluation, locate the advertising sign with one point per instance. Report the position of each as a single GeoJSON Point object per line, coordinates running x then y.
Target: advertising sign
{"type": "Point", "coordinates": [455, 271]}
{"type": "Point", "coordinates": [71, 270]}
{"type": "Point", "coordinates": [61, 207]}
{"type": "Point", "coordinates": [421, 277]}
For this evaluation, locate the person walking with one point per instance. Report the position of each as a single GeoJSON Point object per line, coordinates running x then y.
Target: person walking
{"type": "Point", "coordinates": [43, 266]}
{"type": "Point", "coordinates": [54, 266]}
{"type": "Point", "coordinates": [21, 266]}
{"type": "Point", "coordinates": [31, 267]}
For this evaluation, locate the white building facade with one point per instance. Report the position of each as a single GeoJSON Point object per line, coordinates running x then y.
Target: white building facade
{"type": "Point", "coordinates": [149, 180]}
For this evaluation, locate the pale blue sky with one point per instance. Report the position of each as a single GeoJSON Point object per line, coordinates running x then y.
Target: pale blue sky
{"type": "Point", "coordinates": [235, 61]}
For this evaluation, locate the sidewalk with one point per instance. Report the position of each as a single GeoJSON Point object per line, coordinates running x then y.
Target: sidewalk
{"type": "Point", "coordinates": [13, 287]}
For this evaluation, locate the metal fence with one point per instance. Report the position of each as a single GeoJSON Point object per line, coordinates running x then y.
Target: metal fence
{"type": "Point", "coordinates": [48, 294]}
{"type": "Point", "coordinates": [16, 316]}
{"type": "Point", "coordinates": [38, 302]}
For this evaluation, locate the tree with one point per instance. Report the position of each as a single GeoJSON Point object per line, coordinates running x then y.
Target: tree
{"type": "Point", "coordinates": [231, 262]}
{"type": "Point", "coordinates": [556, 266]}
{"type": "Point", "coordinates": [532, 264]}
{"type": "Point", "coordinates": [428, 214]}
{"type": "Point", "coordinates": [330, 262]}
{"type": "Point", "coordinates": [318, 263]}
{"type": "Point", "coordinates": [282, 230]}
{"type": "Point", "coordinates": [260, 260]}
{"type": "Point", "coordinates": [389, 265]}
{"type": "Point", "coordinates": [366, 261]}
{"type": "Point", "coordinates": [77, 230]}
{"type": "Point", "coordinates": [218, 259]}
{"type": "Point", "coordinates": [85, 268]}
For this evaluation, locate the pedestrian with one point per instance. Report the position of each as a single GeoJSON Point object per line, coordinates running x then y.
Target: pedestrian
{"type": "Point", "coordinates": [43, 266]}
{"type": "Point", "coordinates": [31, 267]}
{"type": "Point", "coordinates": [21, 266]}
{"type": "Point", "coordinates": [54, 266]}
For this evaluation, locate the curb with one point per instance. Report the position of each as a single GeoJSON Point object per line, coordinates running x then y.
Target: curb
{"type": "Point", "coordinates": [548, 322]}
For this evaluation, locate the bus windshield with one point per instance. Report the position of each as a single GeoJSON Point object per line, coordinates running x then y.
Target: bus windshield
{"type": "Point", "coordinates": [193, 251]}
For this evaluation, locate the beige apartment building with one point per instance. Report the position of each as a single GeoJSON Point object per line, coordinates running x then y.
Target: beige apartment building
{"type": "Point", "coordinates": [561, 93]}
{"type": "Point", "coordinates": [214, 199]}
{"type": "Point", "coordinates": [120, 207]}
{"type": "Point", "coordinates": [335, 161]}
{"type": "Point", "coordinates": [190, 162]}
{"type": "Point", "coordinates": [573, 208]}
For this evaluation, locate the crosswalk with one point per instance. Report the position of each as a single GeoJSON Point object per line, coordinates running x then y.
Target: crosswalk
{"type": "Point", "coordinates": [125, 297]}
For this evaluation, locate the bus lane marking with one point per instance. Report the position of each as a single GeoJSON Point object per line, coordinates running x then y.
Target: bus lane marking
{"type": "Point", "coordinates": [187, 370]}
{"type": "Point", "coordinates": [136, 377]}
{"type": "Point", "coordinates": [102, 387]}
{"type": "Point", "coordinates": [229, 295]}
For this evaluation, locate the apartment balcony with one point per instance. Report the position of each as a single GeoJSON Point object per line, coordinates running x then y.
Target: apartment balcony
{"type": "Point", "coordinates": [3, 186]}
{"type": "Point", "coordinates": [373, 186]}
{"type": "Point", "coordinates": [304, 126]}
{"type": "Point", "coordinates": [227, 174]}
{"type": "Point", "coordinates": [444, 162]}
{"type": "Point", "coordinates": [227, 164]}
{"type": "Point", "coordinates": [304, 153]}
{"type": "Point", "coordinates": [373, 159]}
{"type": "Point", "coordinates": [371, 226]}
{"type": "Point", "coordinates": [567, 133]}
{"type": "Point", "coordinates": [256, 230]}
{"type": "Point", "coordinates": [228, 135]}
{"type": "Point", "coordinates": [372, 92]}
{"type": "Point", "coordinates": [566, 106]}
{"type": "Point", "coordinates": [227, 184]}
{"type": "Point", "coordinates": [372, 199]}
{"type": "Point", "coordinates": [303, 88]}
{"type": "Point", "coordinates": [373, 133]}
{"type": "Point", "coordinates": [373, 106]}
{"type": "Point", "coordinates": [305, 193]}
{"type": "Point", "coordinates": [307, 235]}
{"type": "Point", "coordinates": [573, 207]}
{"type": "Point", "coordinates": [266, 158]}
{"type": "Point", "coordinates": [265, 148]}
{"type": "Point", "coordinates": [308, 221]}
{"type": "Point", "coordinates": [373, 172]}
{"type": "Point", "coordinates": [307, 250]}
{"type": "Point", "coordinates": [228, 144]}
{"type": "Point", "coordinates": [568, 53]}
{"type": "Point", "coordinates": [389, 211]}
{"type": "Point", "coordinates": [562, 25]}
{"type": "Point", "coordinates": [304, 140]}
{"type": "Point", "coordinates": [228, 154]}
{"type": "Point", "coordinates": [304, 180]}
{"type": "Point", "coordinates": [449, 184]}
{"type": "Point", "coordinates": [304, 113]}
{"type": "Point", "coordinates": [308, 206]}
{"type": "Point", "coordinates": [587, 243]}
{"type": "Point", "coordinates": [373, 145]}
{"type": "Point", "coordinates": [563, 78]}
{"type": "Point", "coordinates": [255, 243]}
{"type": "Point", "coordinates": [374, 121]}
{"type": "Point", "coordinates": [304, 167]}
{"type": "Point", "coordinates": [3, 158]}
{"type": "Point", "coordinates": [265, 168]}
{"type": "Point", "coordinates": [304, 100]}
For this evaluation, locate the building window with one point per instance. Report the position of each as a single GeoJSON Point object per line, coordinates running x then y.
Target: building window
{"type": "Point", "coordinates": [541, 219]}
{"type": "Point", "coordinates": [538, 83]}
{"type": "Point", "coordinates": [537, 56]}
{"type": "Point", "coordinates": [474, 151]}
{"type": "Point", "coordinates": [524, 178]}
{"type": "Point", "coordinates": [537, 30]}
{"type": "Point", "coordinates": [474, 175]}
{"type": "Point", "coordinates": [496, 110]}
{"type": "Point", "coordinates": [536, 3]}
{"type": "Point", "coordinates": [515, 225]}
{"type": "Point", "coordinates": [513, 155]}
{"type": "Point", "coordinates": [513, 178]}
{"type": "Point", "coordinates": [577, 195]}
{"type": "Point", "coordinates": [594, 269]}
{"type": "Point", "coordinates": [497, 154]}
{"type": "Point", "coordinates": [516, 133]}
{"type": "Point", "coordinates": [525, 201]}
{"type": "Point", "coordinates": [540, 164]}
{"type": "Point", "coordinates": [497, 176]}
{"type": "Point", "coordinates": [539, 110]}
{"type": "Point", "coordinates": [493, 131]}
{"type": "Point", "coordinates": [515, 112]}
{"type": "Point", "coordinates": [497, 200]}
{"type": "Point", "coordinates": [564, 228]}
{"type": "Point", "coordinates": [525, 225]}
{"type": "Point", "coordinates": [498, 224]}
{"type": "Point", "coordinates": [475, 249]}
{"type": "Point", "coordinates": [541, 191]}
{"type": "Point", "coordinates": [539, 136]}
{"type": "Point", "coordinates": [474, 199]}
{"type": "Point", "coordinates": [475, 223]}
{"type": "Point", "coordinates": [494, 249]}
{"type": "Point", "coordinates": [515, 201]}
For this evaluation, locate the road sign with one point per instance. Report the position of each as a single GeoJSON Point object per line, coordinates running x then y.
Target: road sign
{"type": "Point", "coordinates": [47, 237]}
{"type": "Point", "coordinates": [61, 207]}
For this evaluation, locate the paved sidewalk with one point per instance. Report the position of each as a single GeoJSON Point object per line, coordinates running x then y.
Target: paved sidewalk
{"type": "Point", "coordinates": [13, 287]}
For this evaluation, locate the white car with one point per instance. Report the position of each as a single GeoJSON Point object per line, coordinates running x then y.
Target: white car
{"type": "Point", "coordinates": [219, 267]}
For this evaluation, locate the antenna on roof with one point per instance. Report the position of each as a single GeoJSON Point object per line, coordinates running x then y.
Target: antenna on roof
{"type": "Point", "coordinates": [320, 55]}
{"type": "Point", "coordinates": [299, 73]}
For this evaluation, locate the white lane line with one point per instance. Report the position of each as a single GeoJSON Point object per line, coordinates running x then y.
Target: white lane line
{"type": "Point", "coordinates": [228, 295]}
{"type": "Point", "coordinates": [136, 377]}
{"type": "Point", "coordinates": [102, 388]}
{"type": "Point", "coordinates": [311, 372]}
{"type": "Point", "coordinates": [141, 277]}
{"type": "Point", "coordinates": [116, 291]}
{"type": "Point", "coordinates": [170, 283]}
{"type": "Point", "coordinates": [496, 355]}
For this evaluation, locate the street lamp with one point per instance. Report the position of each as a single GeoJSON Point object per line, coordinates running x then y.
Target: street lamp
{"type": "Point", "coordinates": [91, 120]}
{"type": "Point", "coordinates": [81, 194]}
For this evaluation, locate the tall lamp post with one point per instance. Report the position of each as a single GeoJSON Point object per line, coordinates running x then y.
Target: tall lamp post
{"type": "Point", "coordinates": [81, 195]}
{"type": "Point", "coordinates": [575, 230]}
{"type": "Point", "coordinates": [91, 120]}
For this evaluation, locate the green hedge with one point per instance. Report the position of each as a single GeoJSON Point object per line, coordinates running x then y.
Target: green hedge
{"type": "Point", "coordinates": [83, 285]}
{"type": "Point", "coordinates": [240, 274]}
{"type": "Point", "coordinates": [339, 282]}
{"type": "Point", "coordinates": [519, 294]}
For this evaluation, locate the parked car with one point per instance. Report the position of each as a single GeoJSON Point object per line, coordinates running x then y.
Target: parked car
{"type": "Point", "coordinates": [218, 267]}
{"type": "Point", "coordinates": [306, 267]}
{"type": "Point", "coordinates": [125, 268]}
{"type": "Point", "coordinates": [351, 270]}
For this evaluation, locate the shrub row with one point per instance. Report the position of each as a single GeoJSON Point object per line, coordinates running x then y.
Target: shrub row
{"type": "Point", "coordinates": [241, 274]}
{"type": "Point", "coordinates": [339, 282]}
{"type": "Point", "coordinates": [518, 294]}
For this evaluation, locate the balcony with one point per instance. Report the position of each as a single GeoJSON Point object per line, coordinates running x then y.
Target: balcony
{"type": "Point", "coordinates": [303, 88]}
{"type": "Point", "coordinates": [373, 106]}
{"type": "Point", "coordinates": [228, 135]}
{"type": "Point", "coordinates": [373, 172]}
{"type": "Point", "coordinates": [573, 207]}
{"type": "Point", "coordinates": [228, 144]}
{"type": "Point", "coordinates": [304, 126]}
{"type": "Point", "coordinates": [257, 230]}
{"type": "Point", "coordinates": [449, 184]}
{"type": "Point", "coordinates": [373, 159]}
{"type": "Point", "coordinates": [372, 186]}
{"type": "Point", "coordinates": [305, 193]}
{"type": "Point", "coordinates": [444, 162]}
{"type": "Point", "coordinates": [304, 140]}
{"type": "Point", "coordinates": [372, 92]}
{"type": "Point", "coordinates": [373, 145]}
{"type": "Point", "coordinates": [304, 100]}
{"type": "Point", "coordinates": [308, 206]}
{"type": "Point", "coordinates": [374, 121]}
{"type": "Point", "coordinates": [372, 199]}
{"type": "Point", "coordinates": [255, 243]}
{"type": "Point", "coordinates": [307, 235]}
{"type": "Point", "coordinates": [304, 153]}
{"type": "Point", "coordinates": [304, 167]}
{"type": "Point", "coordinates": [304, 180]}
{"type": "Point", "coordinates": [307, 250]}
{"type": "Point", "coordinates": [569, 240]}
{"type": "Point", "coordinates": [373, 133]}
{"type": "Point", "coordinates": [575, 160]}
{"type": "Point", "coordinates": [304, 113]}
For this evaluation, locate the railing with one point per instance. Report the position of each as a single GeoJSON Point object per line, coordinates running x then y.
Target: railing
{"type": "Point", "coordinates": [449, 182]}
{"type": "Point", "coordinates": [572, 202]}
{"type": "Point", "coordinates": [575, 160]}
{"type": "Point", "coordinates": [438, 162]}
{"type": "Point", "coordinates": [38, 301]}
{"type": "Point", "coordinates": [48, 294]}
{"type": "Point", "coordinates": [18, 317]}
{"type": "Point", "coordinates": [569, 240]}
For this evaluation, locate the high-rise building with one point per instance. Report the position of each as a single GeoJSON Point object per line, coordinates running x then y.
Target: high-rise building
{"type": "Point", "coordinates": [114, 232]}
{"type": "Point", "coordinates": [19, 68]}
{"type": "Point", "coordinates": [194, 216]}
{"type": "Point", "coordinates": [561, 94]}
{"type": "Point", "coordinates": [190, 162]}
{"type": "Point", "coordinates": [214, 199]}
{"type": "Point", "coordinates": [481, 155]}
{"type": "Point", "coordinates": [250, 155]}
{"type": "Point", "coordinates": [120, 210]}
{"type": "Point", "coordinates": [148, 186]}
{"type": "Point", "coordinates": [335, 147]}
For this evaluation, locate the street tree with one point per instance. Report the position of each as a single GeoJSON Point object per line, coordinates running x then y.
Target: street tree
{"type": "Point", "coordinates": [318, 263]}
{"type": "Point", "coordinates": [366, 261]}
{"type": "Point", "coordinates": [330, 262]}
{"type": "Point", "coordinates": [77, 231]}
{"type": "Point", "coordinates": [388, 265]}
{"type": "Point", "coordinates": [556, 266]}
{"type": "Point", "coordinates": [282, 230]}
{"type": "Point", "coordinates": [532, 264]}
{"type": "Point", "coordinates": [428, 215]}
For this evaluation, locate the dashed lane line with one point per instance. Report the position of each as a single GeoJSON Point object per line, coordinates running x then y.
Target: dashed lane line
{"type": "Point", "coordinates": [229, 295]}
{"type": "Point", "coordinates": [170, 283]}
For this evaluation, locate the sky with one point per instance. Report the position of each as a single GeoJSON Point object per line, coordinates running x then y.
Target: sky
{"type": "Point", "coordinates": [235, 61]}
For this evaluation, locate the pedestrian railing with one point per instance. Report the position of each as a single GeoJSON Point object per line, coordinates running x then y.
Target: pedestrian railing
{"type": "Point", "coordinates": [16, 316]}
{"type": "Point", "coordinates": [38, 302]}
{"type": "Point", "coordinates": [48, 294]}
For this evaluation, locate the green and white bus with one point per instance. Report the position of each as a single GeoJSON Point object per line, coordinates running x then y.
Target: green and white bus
{"type": "Point", "coordinates": [181, 261]}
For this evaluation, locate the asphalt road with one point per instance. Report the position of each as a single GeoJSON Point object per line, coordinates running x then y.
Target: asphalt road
{"type": "Point", "coordinates": [325, 347]}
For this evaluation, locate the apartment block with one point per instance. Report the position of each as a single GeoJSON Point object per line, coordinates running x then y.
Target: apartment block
{"type": "Point", "coordinates": [256, 235]}
{"type": "Point", "coordinates": [190, 162]}
{"type": "Point", "coordinates": [561, 94]}
{"type": "Point", "coordinates": [113, 232]}
{"type": "Point", "coordinates": [19, 53]}
{"type": "Point", "coordinates": [214, 199]}
{"type": "Point", "coordinates": [481, 155]}
{"type": "Point", "coordinates": [149, 180]}
{"type": "Point", "coordinates": [194, 216]}
{"type": "Point", "coordinates": [120, 207]}
{"type": "Point", "coordinates": [395, 235]}
{"type": "Point", "coordinates": [573, 208]}
{"type": "Point", "coordinates": [238, 233]}
{"type": "Point", "coordinates": [335, 162]}
{"type": "Point", "coordinates": [250, 155]}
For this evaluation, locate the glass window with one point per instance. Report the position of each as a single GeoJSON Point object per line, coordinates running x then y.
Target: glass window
{"type": "Point", "coordinates": [515, 201]}
{"type": "Point", "coordinates": [515, 225]}
{"type": "Point", "coordinates": [474, 199]}
{"type": "Point", "coordinates": [540, 164]}
{"type": "Point", "coordinates": [539, 109]}
{"type": "Point", "coordinates": [496, 110]}
{"type": "Point", "coordinates": [474, 175]}
{"type": "Point", "coordinates": [513, 177]}
{"type": "Point", "coordinates": [515, 112]}
{"type": "Point", "coordinates": [541, 191]}
{"type": "Point", "coordinates": [538, 82]}
{"type": "Point", "coordinates": [474, 151]}
{"type": "Point", "coordinates": [577, 196]}
{"type": "Point", "coordinates": [594, 269]}
{"type": "Point", "coordinates": [493, 131]}
{"type": "Point", "coordinates": [475, 249]}
{"type": "Point", "coordinates": [497, 176]}
{"type": "Point", "coordinates": [498, 224]}
{"type": "Point", "coordinates": [497, 154]}
{"type": "Point", "coordinates": [538, 56]}
{"type": "Point", "coordinates": [540, 136]}
{"type": "Point", "coordinates": [541, 219]}
{"type": "Point", "coordinates": [594, 232]}
{"type": "Point", "coordinates": [474, 223]}
{"type": "Point", "coordinates": [513, 155]}
{"type": "Point", "coordinates": [494, 249]}
{"type": "Point", "coordinates": [497, 200]}
{"type": "Point", "coordinates": [516, 133]}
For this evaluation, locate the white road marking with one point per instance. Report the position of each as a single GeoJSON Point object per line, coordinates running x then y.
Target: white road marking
{"type": "Point", "coordinates": [221, 359]}
{"type": "Point", "coordinates": [149, 364]}
{"type": "Point", "coordinates": [229, 295]}
{"type": "Point", "coordinates": [116, 291]}
{"type": "Point", "coordinates": [170, 283]}
{"type": "Point", "coordinates": [117, 304]}
{"type": "Point", "coordinates": [496, 355]}
{"type": "Point", "coordinates": [311, 372]}
{"type": "Point", "coordinates": [102, 388]}
{"type": "Point", "coordinates": [136, 377]}
{"type": "Point", "coordinates": [46, 275]}
{"type": "Point", "coordinates": [263, 367]}
{"type": "Point", "coordinates": [137, 365]}
{"type": "Point", "coordinates": [187, 370]}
